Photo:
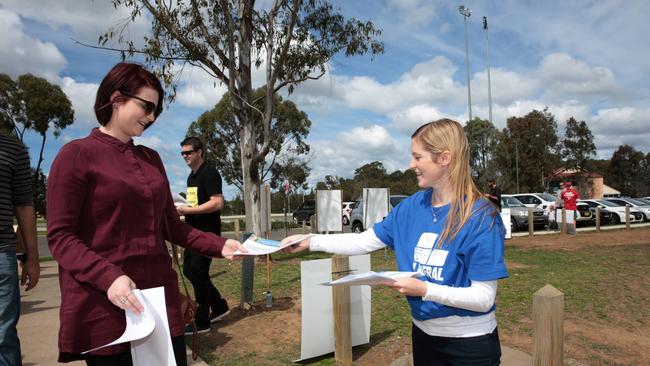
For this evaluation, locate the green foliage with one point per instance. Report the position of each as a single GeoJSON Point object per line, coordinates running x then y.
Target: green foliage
{"type": "Point", "coordinates": [289, 127]}
{"type": "Point", "coordinates": [630, 171]}
{"type": "Point", "coordinates": [483, 138]}
{"type": "Point", "coordinates": [372, 175]}
{"type": "Point", "coordinates": [39, 189]}
{"type": "Point", "coordinates": [578, 145]}
{"type": "Point", "coordinates": [33, 103]}
{"type": "Point", "coordinates": [531, 143]}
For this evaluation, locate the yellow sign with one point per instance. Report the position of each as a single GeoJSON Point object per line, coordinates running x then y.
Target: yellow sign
{"type": "Point", "coordinates": [193, 196]}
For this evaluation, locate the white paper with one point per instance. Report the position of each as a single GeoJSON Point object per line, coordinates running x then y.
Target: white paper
{"type": "Point", "coordinates": [138, 326]}
{"type": "Point", "coordinates": [261, 246]}
{"type": "Point", "coordinates": [179, 200]}
{"type": "Point", "coordinates": [156, 349]}
{"type": "Point", "coordinates": [372, 278]}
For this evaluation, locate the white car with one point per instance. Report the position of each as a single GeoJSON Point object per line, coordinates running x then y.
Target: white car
{"type": "Point", "coordinates": [545, 201]}
{"type": "Point", "coordinates": [618, 210]}
{"type": "Point", "coordinates": [346, 211]}
{"type": "Point", "coordinates": [639, 205]}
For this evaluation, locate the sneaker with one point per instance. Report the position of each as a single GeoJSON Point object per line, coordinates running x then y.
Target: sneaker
{"type": "Point", "coordinates": [215, 317]}
{"type": "Point", "coordinates": [189, 329]}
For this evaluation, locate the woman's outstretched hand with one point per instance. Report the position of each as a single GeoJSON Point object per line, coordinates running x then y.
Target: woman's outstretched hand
{"type": "Point", "coordinates": [231, 249]}
{"type": "Point", "coordinates": [304, 241]}
{"type": "Point", "coordinates": [409, 286]}
{"type": "Point", "coordinates": [120, 293]}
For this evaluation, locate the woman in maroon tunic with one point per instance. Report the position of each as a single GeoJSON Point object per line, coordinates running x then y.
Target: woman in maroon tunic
{"type": "Point", "coordinates": [108, 205]}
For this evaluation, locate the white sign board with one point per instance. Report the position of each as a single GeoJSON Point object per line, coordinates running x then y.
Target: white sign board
{"type": "Point", "coordinates": [318, 310]}
{"type": "Point", "coordinates": [505, 217]}
{"type": "Point", "coordinates": [375, 205]}
{"type": "Point", "coordinates": [329, 204]}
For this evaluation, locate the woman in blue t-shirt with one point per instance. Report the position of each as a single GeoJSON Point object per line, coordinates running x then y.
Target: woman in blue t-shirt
{"type": "Point", "coordinates": [454, 238]}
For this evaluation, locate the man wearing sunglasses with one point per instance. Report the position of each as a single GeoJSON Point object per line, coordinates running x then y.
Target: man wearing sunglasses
{"type": "Point", "coordinates": [205, 200]}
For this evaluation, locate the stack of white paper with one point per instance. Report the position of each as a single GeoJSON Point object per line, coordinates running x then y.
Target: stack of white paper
{"type": "Point", "coordinates": [372, 278]}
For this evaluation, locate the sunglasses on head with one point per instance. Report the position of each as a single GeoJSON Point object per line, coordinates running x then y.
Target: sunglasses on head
{"type": "Point", "coordinates": [149, 107]}
{"type": "Point", "coordinates": [187, 152]}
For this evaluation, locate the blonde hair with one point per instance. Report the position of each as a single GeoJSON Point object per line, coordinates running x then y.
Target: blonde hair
{"type": "Point", "coordinates": [447, 135]}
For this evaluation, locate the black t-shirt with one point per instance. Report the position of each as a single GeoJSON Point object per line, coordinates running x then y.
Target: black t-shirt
{"type": "Point", "coordinates": [207, 182]}
{"type": "Point", "coordinates": [496, 192]}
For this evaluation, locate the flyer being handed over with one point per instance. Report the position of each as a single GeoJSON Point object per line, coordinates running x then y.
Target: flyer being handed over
{"type": "Point", "coordinates": [260, 246]}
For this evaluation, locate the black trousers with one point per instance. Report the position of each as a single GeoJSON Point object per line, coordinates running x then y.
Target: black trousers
{"type": "Point", "coordinates": [196, 268]}
{"type": "Point", "coordinates": [483, 350]}
{"type": "Point", "coordinates": [124, 359]}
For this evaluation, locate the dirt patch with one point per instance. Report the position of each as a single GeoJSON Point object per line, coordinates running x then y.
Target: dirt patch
{"type": "Point", "coordinates": [259, 333]}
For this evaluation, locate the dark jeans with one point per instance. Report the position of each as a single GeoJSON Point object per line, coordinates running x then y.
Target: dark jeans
{"type": "Point", "coordinates": [196, 268]}
{"type": "Point", "coordinates": [428, 350]}
{"type": "Point", "coordinates": [124, 359]}
{"type": "Point", "coordinates": [9, 309]}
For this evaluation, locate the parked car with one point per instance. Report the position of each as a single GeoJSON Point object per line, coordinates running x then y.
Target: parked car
{"type": "Point", "coordinates": [346, 211]}
{"type": "Point", "coordinates": [545, 201]}
{"type": "Point", "coordinates": [519, 214]}
{"type": "Point", "coordinates": [617, 210]}
{"type": "Point", "coordinates": [639, 205]}
{"type": "Point", "coordinates": [356, 217]}
{"type": "Point", "coordinates": [606, 216]}
{"type": "Point", "coordinates": [644, 199]}
{"type": "Point", "coordinates": [304, 212]}
{"type": "Point", "coordinates": [584, 215]}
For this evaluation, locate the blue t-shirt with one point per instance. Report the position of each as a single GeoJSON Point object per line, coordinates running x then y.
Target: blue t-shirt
{"type": "Point", "coordinates": [476, 254]}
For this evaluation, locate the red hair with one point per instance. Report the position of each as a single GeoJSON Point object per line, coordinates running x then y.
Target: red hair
{"type": "Point", "coordinates": [129, 78]}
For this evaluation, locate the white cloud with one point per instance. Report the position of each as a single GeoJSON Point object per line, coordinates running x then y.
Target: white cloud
{"type": "Point", "coordinates": [409, 119]}
{"type": "Point", "coordinates": [352, 149]}
{"type": "Point", "coordinates": [87, 19]}
{"type": "Point", "coordinates": [82, 96]}
{"type": "Point", "coordinates": [20, 53]}
{"type": "Point", "coordinates": [567, 77]}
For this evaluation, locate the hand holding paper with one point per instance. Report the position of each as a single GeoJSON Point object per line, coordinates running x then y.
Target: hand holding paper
{"type": "Point", "coordinates": [260, 246]}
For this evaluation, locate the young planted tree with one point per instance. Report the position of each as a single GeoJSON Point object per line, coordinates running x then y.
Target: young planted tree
{"type": "Point", "coordinates": [292, 39]}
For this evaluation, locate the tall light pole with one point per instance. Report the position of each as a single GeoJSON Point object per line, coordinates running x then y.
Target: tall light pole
{"type": "Point", "coordinates": [487, 39]}
{"type": "Point", "coordinates": [466, 13]}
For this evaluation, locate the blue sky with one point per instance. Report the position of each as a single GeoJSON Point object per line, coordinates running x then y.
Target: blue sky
{"type": "Point", "coordinates": [587, 59]}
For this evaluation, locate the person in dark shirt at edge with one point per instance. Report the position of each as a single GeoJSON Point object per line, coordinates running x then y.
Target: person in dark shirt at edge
{"type": "Point", "coordinates": [494, 194]}
{"type": "Point", "coordinates": [205, 200]}
{"type": "Point", "coordinates": [110, 210]}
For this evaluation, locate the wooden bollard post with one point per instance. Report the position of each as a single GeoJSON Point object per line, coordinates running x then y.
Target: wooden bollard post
{"type": "Point", "coordinates": [598, 219]}
{"type": "Point", "coordinates": [531, 224]}
{"type": "Point", "coordinates": [563, 221]}
{"type": "Point", "coordinates": [627, 217]}
{"type": "Point", "coordinates": [237, 232]}
{"type": "Point", "coordinates": [548, 327]}
{"type": "Point", "coordinates": [341, 300]}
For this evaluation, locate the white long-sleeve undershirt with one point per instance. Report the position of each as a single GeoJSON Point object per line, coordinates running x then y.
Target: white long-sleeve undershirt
{"type": "Point", "coordinates": [479, 296]}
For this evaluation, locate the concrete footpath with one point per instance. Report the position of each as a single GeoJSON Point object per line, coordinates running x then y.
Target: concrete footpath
{"type": "Point", "coordinates": [38, 326]}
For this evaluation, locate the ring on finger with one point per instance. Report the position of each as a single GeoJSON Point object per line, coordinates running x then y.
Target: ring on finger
{"type": "Point", "coordinates": [123, 300]}
{"type": "Point", "coordinates": [129, 294]}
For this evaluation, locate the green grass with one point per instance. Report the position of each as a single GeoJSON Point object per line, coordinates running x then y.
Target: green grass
{"type": "Point", "coordinates": [594, 280]}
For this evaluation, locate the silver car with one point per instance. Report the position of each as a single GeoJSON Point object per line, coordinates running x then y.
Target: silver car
{"type": "Point", "coordinates": [519, 214]}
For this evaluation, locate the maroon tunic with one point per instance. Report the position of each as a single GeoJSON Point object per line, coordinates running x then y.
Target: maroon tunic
{"type": "Point", "coordinates": [106, 208]}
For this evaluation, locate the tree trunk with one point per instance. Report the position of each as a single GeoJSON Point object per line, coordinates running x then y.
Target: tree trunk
{"type": "Point", "coordinates": [241, 106]}
{"type": "Point", "coordinates": [40, 160]}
